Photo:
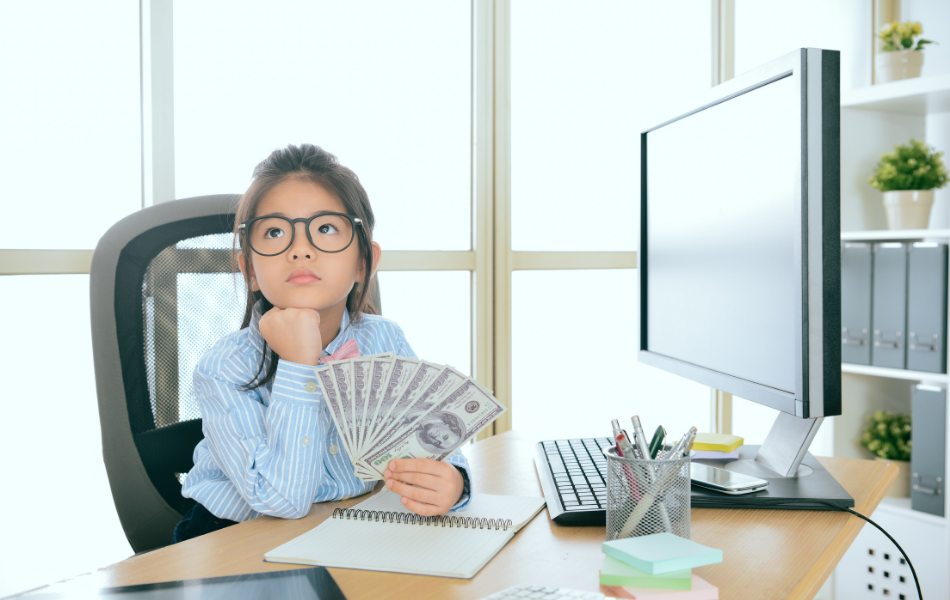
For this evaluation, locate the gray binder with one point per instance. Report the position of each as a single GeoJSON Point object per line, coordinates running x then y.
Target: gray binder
{"type": "Point", "coordinates": [856, 303]}
{"type": "Point", "coordinates": [927, 307]}
{"type": "Point", "coordinates": [889, 306]}
{"type": "Point", "coordinates": [928, 456]}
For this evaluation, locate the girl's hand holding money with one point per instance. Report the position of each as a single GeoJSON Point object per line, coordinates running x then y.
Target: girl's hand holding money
{"type": "Point", "coordinates": [428, 487]}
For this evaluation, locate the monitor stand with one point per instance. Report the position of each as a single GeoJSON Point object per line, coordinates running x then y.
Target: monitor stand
{"type": "Point", "coordinates": [796, 480]}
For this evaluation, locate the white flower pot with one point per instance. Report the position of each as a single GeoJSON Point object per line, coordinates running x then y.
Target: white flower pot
{"type": "Point", "coordinates": [908, 209]}
{"type": "Point", "coordinates": [901, 486]}
{"type": "Point", "coordinates": [894, 66]}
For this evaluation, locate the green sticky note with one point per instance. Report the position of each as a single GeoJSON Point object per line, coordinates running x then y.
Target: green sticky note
{"type": "Point", "coordinates": [616, 573]}
{"type": "Point", "coordinates": [661, 553]}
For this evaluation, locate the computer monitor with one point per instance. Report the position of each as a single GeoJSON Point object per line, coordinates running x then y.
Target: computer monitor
{"type": "Point", "coordinates": [739, 255]}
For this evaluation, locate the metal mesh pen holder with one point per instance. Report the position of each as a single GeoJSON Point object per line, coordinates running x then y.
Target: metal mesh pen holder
{"type": "Point", "coordinates": [646, 496]}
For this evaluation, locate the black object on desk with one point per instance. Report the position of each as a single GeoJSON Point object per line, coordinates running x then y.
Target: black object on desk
{"type": "Point", "coordinates": [811, 492]}
{"type": "Point", "coordinates": [314, 583]}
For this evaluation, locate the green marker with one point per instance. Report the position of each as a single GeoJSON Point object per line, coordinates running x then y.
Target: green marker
{"type": "Point", "coordinates": [657, 442]}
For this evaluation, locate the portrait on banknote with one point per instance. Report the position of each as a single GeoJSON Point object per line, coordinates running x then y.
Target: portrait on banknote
{"type": "Point", "coordinates": [438, 431]}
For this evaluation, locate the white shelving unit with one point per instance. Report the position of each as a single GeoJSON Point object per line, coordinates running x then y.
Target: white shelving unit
{"type": "Point", "coordinates": [895, 235]}
{"type": "Point", "coordinates": [919, 376]}
{"type": "Point", "coordinates": [918, 96]}
{"type": "Point", "coordinates": [873, 120]}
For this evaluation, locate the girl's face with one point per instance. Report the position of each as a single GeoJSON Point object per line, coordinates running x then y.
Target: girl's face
{"type": "Point", "coordinates": [302, 276]}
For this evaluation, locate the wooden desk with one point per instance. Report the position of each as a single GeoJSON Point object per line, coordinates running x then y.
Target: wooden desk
{"type": "Point", "coordinates": [768, 553]}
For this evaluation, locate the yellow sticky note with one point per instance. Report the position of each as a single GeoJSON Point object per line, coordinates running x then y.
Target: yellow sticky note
{"type": "Point", "coordinates": [717, 442]}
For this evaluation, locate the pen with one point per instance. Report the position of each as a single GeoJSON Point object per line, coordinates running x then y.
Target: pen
{"type": "Point", "coordinates": [657, 442]}
{"type": "Point", "coordinates": [648, 498]}
{"type": "Point", "coordinates": [640, 438]}
{"type": "Point", "coordinates": [615, 425]}
{"type": "Point", "coordinates": [685, 443]}
{"type": "Point", "coordinates": [624, 445]}
{"type": "Point", "coordinates": [623, 448]}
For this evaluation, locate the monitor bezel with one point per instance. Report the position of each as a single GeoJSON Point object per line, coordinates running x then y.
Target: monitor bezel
{"type": "Point", "coordinates": [816, 75]}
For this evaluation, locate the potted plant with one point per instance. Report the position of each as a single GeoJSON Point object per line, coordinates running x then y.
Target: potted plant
{"type": "Point", "coordinates": [908, 176]}
{"type": "Point", "coordinates": [900, 56]}
{"type": "Point", "coordinates": [887, 436]}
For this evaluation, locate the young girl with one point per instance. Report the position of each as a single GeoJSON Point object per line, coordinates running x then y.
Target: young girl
{"type": "Point", "coordinates": [305, 230]}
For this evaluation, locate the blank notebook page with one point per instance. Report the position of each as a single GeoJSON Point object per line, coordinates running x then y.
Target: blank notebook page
{"type": "Point", "coordinates": [395, 547]}
{"type": "Point", "coordinates": [410, 548]}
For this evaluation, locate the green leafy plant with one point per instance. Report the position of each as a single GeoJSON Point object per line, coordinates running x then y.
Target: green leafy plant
{"type": "Point", "coordinates": [888, 435]}
{"type": "Point", "coordinates": [913, 166]}
{"type": "Point", "coordinates": [902, 36]}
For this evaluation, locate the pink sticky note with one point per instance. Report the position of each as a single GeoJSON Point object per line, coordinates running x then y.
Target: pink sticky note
{"type": "Point", "coordinates": [702, 590]}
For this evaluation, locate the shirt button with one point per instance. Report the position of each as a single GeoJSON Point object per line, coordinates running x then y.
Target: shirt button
{"type": "Point", "coordinates": [311, 386]}
{"type": "Point", "coordinates": [306, 441]}
{"type": "Point", "coordinates": [334, 449]}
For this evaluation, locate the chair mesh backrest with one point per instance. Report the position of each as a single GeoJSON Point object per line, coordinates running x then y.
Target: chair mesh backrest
{"type": "Point", "coordinates": [190, 300]}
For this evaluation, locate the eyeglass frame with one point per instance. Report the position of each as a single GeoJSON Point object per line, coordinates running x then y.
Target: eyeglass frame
{"type": "Point", "coordinates": [354, 221]}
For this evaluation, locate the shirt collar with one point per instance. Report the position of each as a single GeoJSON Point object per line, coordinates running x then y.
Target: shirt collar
{"type": "Point", "coordinates": [340, 339]}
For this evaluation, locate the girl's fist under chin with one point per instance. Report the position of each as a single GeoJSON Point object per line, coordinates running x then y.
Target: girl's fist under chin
{"type": "Point", "coordinates": [294, 334]}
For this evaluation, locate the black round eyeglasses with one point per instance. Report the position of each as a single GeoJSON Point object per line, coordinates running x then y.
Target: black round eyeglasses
{"type": "Point", "coordinates": [329, 232]}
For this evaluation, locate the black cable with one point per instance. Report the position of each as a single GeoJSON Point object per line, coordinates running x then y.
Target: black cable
{"type": "Point", "coordinates": [881, 529]}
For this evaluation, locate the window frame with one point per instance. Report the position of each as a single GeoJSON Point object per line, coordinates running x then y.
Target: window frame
{"type": "Point", "coordinates": [491, 261]}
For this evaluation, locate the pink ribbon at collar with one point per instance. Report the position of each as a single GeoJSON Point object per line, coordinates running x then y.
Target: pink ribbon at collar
{"type": "Point", "coordinates": [347, 350]}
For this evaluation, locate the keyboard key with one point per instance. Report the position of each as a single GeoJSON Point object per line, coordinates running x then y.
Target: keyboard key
{"type": "Point", "coordinates": [557, 465]}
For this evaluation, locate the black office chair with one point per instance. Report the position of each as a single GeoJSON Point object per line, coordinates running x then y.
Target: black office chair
{"type": "Point", "coordinates": [162, 292]}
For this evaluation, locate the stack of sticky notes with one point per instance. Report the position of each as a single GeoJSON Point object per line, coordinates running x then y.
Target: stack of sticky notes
{"type": "Point", "coordinates": [716, 446]}
{"type": "Point", "coordinates": [658, 566]}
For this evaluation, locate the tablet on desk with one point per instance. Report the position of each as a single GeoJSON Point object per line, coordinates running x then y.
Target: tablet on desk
{"type": "Point", "coordinates": [314, 583]}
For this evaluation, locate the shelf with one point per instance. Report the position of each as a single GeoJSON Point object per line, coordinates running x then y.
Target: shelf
{"type": "Point", "coordinates": [901, 507]}
{"type": "Point", "coordinates": [894, 234]}
{"type": "Point", "coordinates": [895, 373]}
{"type": "Point", "coordinates": [917, 96]}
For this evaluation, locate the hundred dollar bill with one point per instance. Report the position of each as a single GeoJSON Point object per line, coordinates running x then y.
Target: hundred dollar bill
{"type": "Point", "coordinates": [421, 379]}
{"type": "Point", "coordinates": [332, 398]}
{"type": "Point", "coordinates": [400, 373]}
{"type": "Point", "coordinates": [359, 390]}
{"type": "Point", "coordinates": [440, 430]}
{"type": "Point", "coordinates": [445, 381]}
{"type": "Point", "coordinates": [378, 377]}
{"type": "Point", "coordinates": [360, 378]}
{"type": "Point", "coordinates": [343, 381]}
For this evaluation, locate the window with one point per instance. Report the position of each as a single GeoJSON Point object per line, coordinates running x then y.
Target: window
{"type": "Point", "coordinates": [582, 90]}
{"type": "Point", "coordinates": [71, 121]}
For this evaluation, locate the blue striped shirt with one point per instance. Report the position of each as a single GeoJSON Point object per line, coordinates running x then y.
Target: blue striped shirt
{"type": "Point", "coordinates": [274, 450]}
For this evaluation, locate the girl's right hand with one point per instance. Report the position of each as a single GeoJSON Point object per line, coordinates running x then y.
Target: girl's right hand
{"type": "Point", "coordinates": [294, 334]}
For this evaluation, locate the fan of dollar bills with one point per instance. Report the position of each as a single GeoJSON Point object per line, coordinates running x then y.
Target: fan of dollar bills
{"type": "Point", "coordinates": [388, 407]}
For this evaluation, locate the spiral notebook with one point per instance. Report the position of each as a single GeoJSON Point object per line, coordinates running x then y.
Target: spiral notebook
{"type": "Point", "coordinates": [380, 534]}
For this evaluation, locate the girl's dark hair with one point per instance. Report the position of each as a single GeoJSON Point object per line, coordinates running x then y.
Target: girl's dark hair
{"type": "Point", "coordinates": [316, 165]}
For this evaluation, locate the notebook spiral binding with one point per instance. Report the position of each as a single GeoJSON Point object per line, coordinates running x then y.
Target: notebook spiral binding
{"type": "Point", "coordinates": [414, 519]}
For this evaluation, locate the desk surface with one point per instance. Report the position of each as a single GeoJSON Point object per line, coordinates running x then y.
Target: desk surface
{"type": "Point", "coordinates": [767, 553]}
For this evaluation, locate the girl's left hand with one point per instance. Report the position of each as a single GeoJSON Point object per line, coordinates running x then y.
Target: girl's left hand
{"type": "Point", "coordinates": [428, 487]}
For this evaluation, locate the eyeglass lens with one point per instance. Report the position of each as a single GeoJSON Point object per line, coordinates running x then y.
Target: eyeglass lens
{"type": "Point", "coordinates": [330, 233]}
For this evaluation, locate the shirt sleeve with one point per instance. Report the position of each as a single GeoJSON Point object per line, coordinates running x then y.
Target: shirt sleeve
{"type": "Point", "coordinates": [458, 460]}
{"type": "Point", "coordinates": [271, 454]}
